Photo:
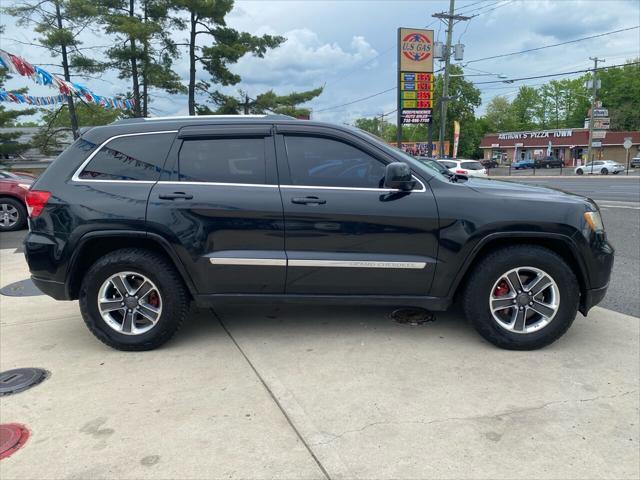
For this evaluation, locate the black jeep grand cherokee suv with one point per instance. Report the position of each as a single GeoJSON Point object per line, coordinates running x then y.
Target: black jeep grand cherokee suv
{"type": "Point", "coordinates": [140, 217]}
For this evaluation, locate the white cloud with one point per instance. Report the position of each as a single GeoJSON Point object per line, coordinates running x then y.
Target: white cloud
{"type": "Point", "coordinates": [303, 59]}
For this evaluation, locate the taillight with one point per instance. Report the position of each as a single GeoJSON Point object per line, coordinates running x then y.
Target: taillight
{"type": "Point", "coordinates": [462, 172]}
{"type": "Point", "coordinates": [36, 200]}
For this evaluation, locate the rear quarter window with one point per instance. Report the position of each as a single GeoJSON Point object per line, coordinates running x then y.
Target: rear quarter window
{"type": "Point", "coordinates": [472, 165]}
{"type": "Point", "coordinates": [130, 158]}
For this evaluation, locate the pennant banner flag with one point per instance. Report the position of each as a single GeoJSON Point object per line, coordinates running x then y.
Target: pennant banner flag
{"type": "Point", "coordinates": [20, 66]}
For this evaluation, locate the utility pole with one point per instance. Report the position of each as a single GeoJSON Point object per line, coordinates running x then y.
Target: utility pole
{"type": "Point", "coordinates": [450, 18]}
{"type": "Point", "coordinates": [593, 103]}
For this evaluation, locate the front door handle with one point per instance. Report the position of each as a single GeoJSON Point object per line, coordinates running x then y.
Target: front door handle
{"type": "Point", "coordinates": [308, 201]}
{"type": "Point", "coordinates": [175, 196]}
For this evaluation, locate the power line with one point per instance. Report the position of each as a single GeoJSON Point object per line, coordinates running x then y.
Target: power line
{"type": "Point", "coordinates": [495, 8]}
{"type": "Point", "coordinates": [335, 107]}
{"type": "Point", "coordinates": [511, 80]}
{"type": "Point", "coordinates": [553, 45]}
{"type": "Point", "coordinates": [470, 5]}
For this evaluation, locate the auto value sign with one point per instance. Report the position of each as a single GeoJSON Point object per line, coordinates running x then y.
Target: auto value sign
{"type": "Point", "coordinates": [415, 76]}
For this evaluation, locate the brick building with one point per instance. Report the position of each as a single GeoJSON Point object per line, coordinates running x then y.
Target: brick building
{"type": "Point", "coordinates": [568, 144]}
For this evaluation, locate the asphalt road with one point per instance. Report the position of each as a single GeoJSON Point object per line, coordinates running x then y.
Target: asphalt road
{"type": "Point", "coordinates": [617, 189]}
{"type": "Point", "coordinates": [619, 201]}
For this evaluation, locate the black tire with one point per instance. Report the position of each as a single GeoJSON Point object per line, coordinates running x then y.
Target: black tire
{"type": "Point", "coordinates": [580, 172]}
{"type": "Point", "coordinates": [175, 299]}
{"type": "Point", "coordinates": [604, 171]}
{"type": "Point", "coordinates": [19, 208]}
{"type": "Point", "coordinates": [616, 172]}
{"type": "Point", "coordinates": [486, 273]}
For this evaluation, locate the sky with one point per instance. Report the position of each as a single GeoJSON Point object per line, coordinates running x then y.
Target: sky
{"type": "Point", "coordinates": [349, 47]}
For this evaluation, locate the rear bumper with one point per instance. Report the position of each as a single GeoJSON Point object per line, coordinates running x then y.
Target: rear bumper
{"type": "Point", "coordinates": [591, 298]}
{"type": "Point", "coordinates": [52, 288]}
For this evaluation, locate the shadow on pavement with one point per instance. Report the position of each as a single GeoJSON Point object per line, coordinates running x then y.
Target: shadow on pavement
{"type": "Point", "coordinates": [13, 239]}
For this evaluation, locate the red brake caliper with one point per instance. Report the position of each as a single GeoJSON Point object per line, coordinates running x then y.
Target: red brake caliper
{"type": "Point", "coordinates": [154, 300]}
{"type": "Point", "coordinates": [501, 289]}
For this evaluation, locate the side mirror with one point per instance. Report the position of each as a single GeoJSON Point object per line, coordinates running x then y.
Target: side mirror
{"type": "Point", "coordinates": [398, 176]}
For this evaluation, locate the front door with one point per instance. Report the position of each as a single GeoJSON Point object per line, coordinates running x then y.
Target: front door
{"type": "Point", "coordinates": [221, 208]}
{"type": "Point", "coordinates": [345, 232]}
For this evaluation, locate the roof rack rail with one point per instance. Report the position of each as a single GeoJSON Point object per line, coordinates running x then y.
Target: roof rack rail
{"type": "Point", "coordinates": [202, 117]}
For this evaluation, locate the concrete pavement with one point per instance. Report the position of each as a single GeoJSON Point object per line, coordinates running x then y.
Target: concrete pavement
{"type": "Point", "coordinates": [309, 392]}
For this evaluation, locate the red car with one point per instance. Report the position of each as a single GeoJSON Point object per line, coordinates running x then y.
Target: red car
{"type": "Point", "coordinates": [13, 206]}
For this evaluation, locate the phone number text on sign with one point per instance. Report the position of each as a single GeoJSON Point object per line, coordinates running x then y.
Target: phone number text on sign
{"type": "Point", "coordinates": [411, 117]}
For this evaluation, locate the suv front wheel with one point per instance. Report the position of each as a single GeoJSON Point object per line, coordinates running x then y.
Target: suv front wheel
{"type": "Point", "coordinates": [133, 299]}
{"type": "Point", "coordinates": [521, 297]}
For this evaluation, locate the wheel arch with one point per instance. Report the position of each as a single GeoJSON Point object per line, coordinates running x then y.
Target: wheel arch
{"type": "Point", "coordinates": [557, 243]}
{"type": "Point", "coordinates": [93, 245]}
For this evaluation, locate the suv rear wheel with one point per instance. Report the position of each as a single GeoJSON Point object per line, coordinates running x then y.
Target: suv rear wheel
{"type": "Point", "coordinates": [522, 297]}
{"type": "Point", "coordinates": [133, 299]}
{"type": "Point", "coordinates": [13, 215]}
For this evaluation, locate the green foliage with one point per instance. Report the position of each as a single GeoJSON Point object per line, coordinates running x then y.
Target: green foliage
{"type": "Point", "coordinates": [9, 145]}
{"type": "Point", "coordinates": [222, 46]}
{"type": "Point", "coordinates": [267, 102]}
{"type": "Point", "coordinates": [620, 93]}
{"type": "Point", "coordinates": [143, 51]}
{"type": "Point", "coordinates": [57, 121]}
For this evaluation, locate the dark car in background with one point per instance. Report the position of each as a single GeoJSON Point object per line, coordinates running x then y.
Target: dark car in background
{"type": "Point", "coordinates": [13, 207]}
{"type": "Point", "coordinates": [489, 163]}
{"type": "Point", "coordinates": [140, 218]}
{"type": "Point", "coordinates": [548, 162]}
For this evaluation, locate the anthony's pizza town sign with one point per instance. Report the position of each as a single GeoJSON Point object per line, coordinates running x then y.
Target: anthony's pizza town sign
{"type": "Point", "coordinates": [565, 132]}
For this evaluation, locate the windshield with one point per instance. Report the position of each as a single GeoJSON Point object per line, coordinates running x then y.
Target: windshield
{"type": "Point", "coordinates": [5, 174]}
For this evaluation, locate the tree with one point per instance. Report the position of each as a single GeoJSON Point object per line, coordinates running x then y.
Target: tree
{"type": "Point", "coordinates": [221, 46]}
{"type": "Point", "coordinates": [59, 24]}
{"type": "Point", "coordinates": [620, 93]}
{"type": "Point", "coordinates": [55, 122]}
{"type": "Point", "coordinates": [465, 98]}
{"type": "Point", "coordinates": [523, 108]}
{"type": "Point", "coordinates": [144, 50]}
{"type": "Point", "coordinates": [9, 144]}
{"type": "Point", "coordinates": [268, 102]}
{"type": "Point", "coordinates": [380, 128]}
{"type": "Point", "coordinates": [499, 115]}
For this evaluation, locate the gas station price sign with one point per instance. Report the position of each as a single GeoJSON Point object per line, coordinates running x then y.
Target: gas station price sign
{"type": "Point", "coordinates": [416, 97]}
{"type": "Point", "coordinates": [415, 76]}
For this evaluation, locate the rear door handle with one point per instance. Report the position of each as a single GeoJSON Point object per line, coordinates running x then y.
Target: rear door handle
{"type": "Point", "coordinates": [308, 201]}
{"type": "Point", "coordinates": [175, 196]}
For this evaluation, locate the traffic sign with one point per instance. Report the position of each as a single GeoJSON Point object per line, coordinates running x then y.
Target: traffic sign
{"type": "Point", "coordinates": [627, 143]}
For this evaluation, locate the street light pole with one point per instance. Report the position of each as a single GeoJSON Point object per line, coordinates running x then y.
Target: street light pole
{"type": "Point", "coordinates": [593, 104]}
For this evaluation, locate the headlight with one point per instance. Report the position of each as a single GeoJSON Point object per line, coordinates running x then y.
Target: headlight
{"type": "Point", "coordinates": [594, 220]}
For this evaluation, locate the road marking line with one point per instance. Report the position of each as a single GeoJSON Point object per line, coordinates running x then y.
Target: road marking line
{"type": "Point", "coordinates": [602, 205]}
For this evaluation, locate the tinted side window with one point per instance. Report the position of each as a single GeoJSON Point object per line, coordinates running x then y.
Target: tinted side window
{"type": "Point", "coordinates": [472, 165]}
{"type": "Point", "coordinates": [223, 160]}
{"type": "Point", "coordinates": [330, 163]}
{"type": "Point", "coordinates": [138, 157]}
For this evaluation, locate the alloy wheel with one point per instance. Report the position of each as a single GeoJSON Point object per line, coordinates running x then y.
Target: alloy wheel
{"type": "Point", "coordinates": [524, 300]}
{"type": "Point", "coordinates": [130, 303]}
{"type": "Point", "coordinates": [9, 215]}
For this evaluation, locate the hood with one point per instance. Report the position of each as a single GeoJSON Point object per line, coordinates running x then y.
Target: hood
{"type": "Point", "coordinates": [525, 191]}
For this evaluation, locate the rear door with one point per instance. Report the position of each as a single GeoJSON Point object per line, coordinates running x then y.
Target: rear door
{"type": "Point", "coordinates": [221, 208]}
{"type": "Point", "coordinates": [345, 233]}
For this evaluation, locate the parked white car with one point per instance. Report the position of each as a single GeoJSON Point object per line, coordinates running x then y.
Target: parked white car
{"type": "Point", "coordinates": [470, 168]}
{"type": "Point", "coordinates": [600, 167]}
